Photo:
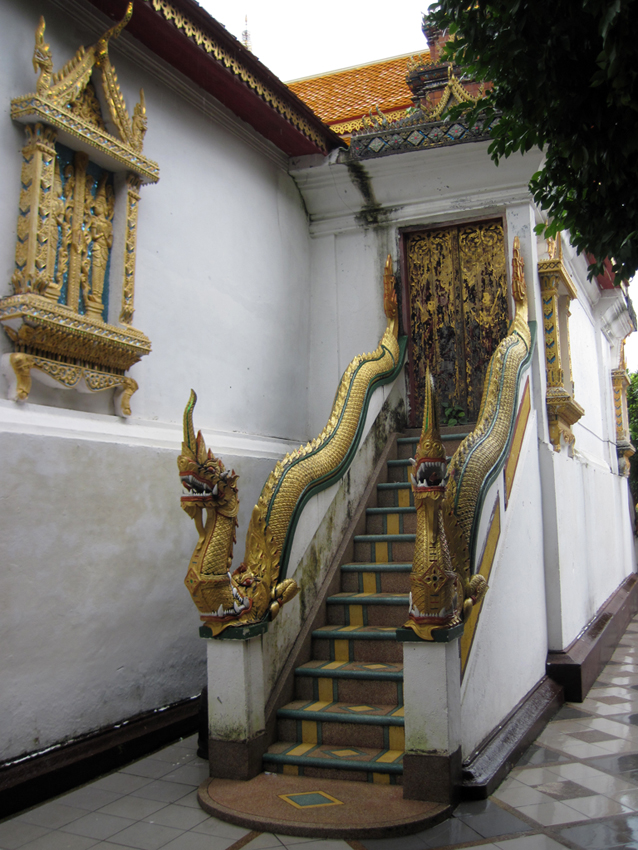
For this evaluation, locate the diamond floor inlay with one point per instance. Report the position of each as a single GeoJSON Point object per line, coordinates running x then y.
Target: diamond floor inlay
{"type": "Point", "coordinates": [568, 790]}
{"type": "Point", "coordinates": [311, 800]}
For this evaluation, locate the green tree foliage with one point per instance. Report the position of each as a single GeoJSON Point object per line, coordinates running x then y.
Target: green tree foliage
{"type": "Point", "coordinates": [564, 77]}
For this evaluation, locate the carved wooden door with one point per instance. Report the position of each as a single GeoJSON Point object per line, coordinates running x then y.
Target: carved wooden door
{"type": "Point", "coordinates": [457, 299]}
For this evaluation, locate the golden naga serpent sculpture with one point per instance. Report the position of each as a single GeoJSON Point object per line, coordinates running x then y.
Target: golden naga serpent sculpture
{"type": "Point", "coordinates": [443, 588]}
{"type": "Point", "coordinates": [256, 590]}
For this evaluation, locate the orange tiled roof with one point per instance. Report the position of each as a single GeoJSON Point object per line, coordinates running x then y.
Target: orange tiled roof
{"type": "Point", "coordinates": [342, 98]}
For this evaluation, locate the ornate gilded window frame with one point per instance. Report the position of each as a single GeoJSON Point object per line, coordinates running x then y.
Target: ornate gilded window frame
{"type": "Point", "coordinates": [620, 381]}
{"type": "Point", "coordinates": [73, 169]}
{"type": "Point", "coordinates": [557, 292]}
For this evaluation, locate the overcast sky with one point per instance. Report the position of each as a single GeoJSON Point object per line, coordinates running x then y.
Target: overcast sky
{"type": "Point", "coordinates": [296, 39]}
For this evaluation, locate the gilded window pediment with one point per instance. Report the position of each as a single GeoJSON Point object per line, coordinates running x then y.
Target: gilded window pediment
{"type": "Point", "coordinates": [62, 318]}
{"type": "Point", "coordinates": [557, 290]}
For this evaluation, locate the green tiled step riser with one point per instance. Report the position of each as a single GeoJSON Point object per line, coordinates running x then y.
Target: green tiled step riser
{"type": "Point", "coordinates": [374, 736]}
{"type": "Point", "coordinates": [386, 548]}
{"type": "Point", "coordinates": [395, 495]}
{"type": "Point", "coordinates": [383, 582]}
{"type": "Point", "coordinates": [377, 578]}
{"type": "Point", "coordinates": [367, 651]}
{"type": "Point", "coordinates": [355, 691]}
{"type": "Point", "coordinates": [367, 614]}
{"type": "Point", "coordinates": [403, 521]}
{"type": "Point", "coordinates": [345, 770]}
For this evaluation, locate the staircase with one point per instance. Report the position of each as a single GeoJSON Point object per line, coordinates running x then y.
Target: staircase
{"type": "Point", "coordinates": [347, 719]}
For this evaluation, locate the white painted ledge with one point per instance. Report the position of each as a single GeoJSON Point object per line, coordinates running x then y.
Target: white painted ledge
{"type": "Point", "coordinates": [35, 419]}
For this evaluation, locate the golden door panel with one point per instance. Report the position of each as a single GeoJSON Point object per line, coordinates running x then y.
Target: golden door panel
{"type": "Point", "coordinates": [458, 310]}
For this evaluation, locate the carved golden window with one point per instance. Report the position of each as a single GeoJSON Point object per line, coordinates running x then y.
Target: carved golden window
{"type": "Point", "coordinates": [79, 183]}
{"type": "Point", "coordinates": [620, 381]}
{"type": "Point", "coordinates": [557, 291]}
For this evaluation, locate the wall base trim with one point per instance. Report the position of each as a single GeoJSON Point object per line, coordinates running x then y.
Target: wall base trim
{"type": "Point", "coordinates": [578, 667]}
{"type": "Point", "coordinates": [35, 777]}
{"type": "Point", "coordinates": [432, 777]}
{"type": "Point", "coordinates": [485, 770]}
{"type": "Point", "coordinates": [237, 759]}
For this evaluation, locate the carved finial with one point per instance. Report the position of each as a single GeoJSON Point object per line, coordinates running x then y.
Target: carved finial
{"type": "Point", "coordinates": [245, 36]}
{"type": "Point", "coordinates": [102, 44]}
{"type": "Point", "coordinates": [519, 288]}
{"type": "Point", "coordinates": [138, 123]}
{"type": "Point", "coordinates": [622, 364]}
{"type": "Point", "coordinates": [389, 290]}
{"type": "Point", "coordinates": [42, 58]}
{"type": "Point", "coordinates": [430, 443]}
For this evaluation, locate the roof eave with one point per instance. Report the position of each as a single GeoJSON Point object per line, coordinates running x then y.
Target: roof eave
{"type": "Point", "coordinates": [199, 47]}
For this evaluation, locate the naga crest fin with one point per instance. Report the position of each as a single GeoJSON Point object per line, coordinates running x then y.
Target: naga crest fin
{"type": "Point", "coordinates": [430, 442]}
{"type": "Point", "coordinates": [189, 446]}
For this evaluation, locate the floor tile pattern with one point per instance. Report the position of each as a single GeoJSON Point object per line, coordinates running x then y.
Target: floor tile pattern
{"type": "Point", "coordinates": [575, 787]}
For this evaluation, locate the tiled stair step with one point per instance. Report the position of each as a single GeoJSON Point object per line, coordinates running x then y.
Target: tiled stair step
{"type": "Point", "coordinates": [391, 520]}
{"type": "Point", "coordinates": [367, 609]}
{"type": "Point", "coordinates": [342, 724]}
{"type": "Point", "coordinates": [366, 764]}
{"type": "Point", "coordinates": [375, 578]}
{"type": "Point", "coordinates": [354, 683]}
{"type": "Point", "coordinates": [384, 548]}
{"type": "Point", "coordinates": [371, 644]}
{"type": "Point", "coordinates": [393, 493]}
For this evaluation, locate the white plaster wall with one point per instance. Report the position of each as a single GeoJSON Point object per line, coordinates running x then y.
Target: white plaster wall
{"type": "Point", "coordinates": [95, 623]}
{"type": "Point", "coordinates": [510, 644]}
{"type": "Point", "coordinates": [590, 377]}
{"type": "Point", "coordinates": [346, 309]}
{"type": "Point", "coordinates": [222, 282]}
{"type": "Point", "coordinates": [583, 566]}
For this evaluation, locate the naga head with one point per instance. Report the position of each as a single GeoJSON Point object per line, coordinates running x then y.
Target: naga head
{"type": "Point", "coordinates": [436, 593]}
{"type": "Point", "coordinates": [206, 482]}
{"type": "Point", "coordinates": [430, 462]}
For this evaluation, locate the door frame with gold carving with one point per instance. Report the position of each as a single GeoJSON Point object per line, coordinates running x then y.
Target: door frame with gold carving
{"type": "Point", "coordinates": [488, 320]}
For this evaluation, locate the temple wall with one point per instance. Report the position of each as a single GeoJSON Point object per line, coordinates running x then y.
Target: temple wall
{"type": "Point", "coordinates": [95, 623]}
{"type": "Point", "coordinates": [584, 497]}
{"type": "Point", "coordinates": [509, 650]}
{"type": "Point", "coordinates": [584, 566]}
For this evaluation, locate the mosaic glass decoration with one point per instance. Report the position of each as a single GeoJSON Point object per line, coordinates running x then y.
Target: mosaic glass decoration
{"type": "Point", "coordinates": [456, 131]}
{"type": "Point", "coordinates": [376, 144]}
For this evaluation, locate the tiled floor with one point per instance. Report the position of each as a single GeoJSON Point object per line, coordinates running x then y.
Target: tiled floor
{"type": "Point", "coordinates": [576, 787]}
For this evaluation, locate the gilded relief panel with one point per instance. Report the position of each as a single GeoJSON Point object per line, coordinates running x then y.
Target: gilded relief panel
{"type": "Point", "coordinates": [82, 233]}
{"type": "Point", "coordinates": [484, 293]}
{"type": "Point", "coordinates": [458, 310]}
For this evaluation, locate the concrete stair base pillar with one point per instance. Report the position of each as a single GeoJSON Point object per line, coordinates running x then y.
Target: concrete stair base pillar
{"type": "Point", "coordinates": [432, 698]}
{"type": "Point", "coordinates": [236, 708]}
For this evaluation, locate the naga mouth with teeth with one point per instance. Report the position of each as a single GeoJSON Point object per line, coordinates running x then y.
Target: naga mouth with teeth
{"type": "Point", "coordinates": [197, 488]}
{"type": "Point", "coordinates": [429, 474]}
{"type": "Point", "coordinates": [447, 615]}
